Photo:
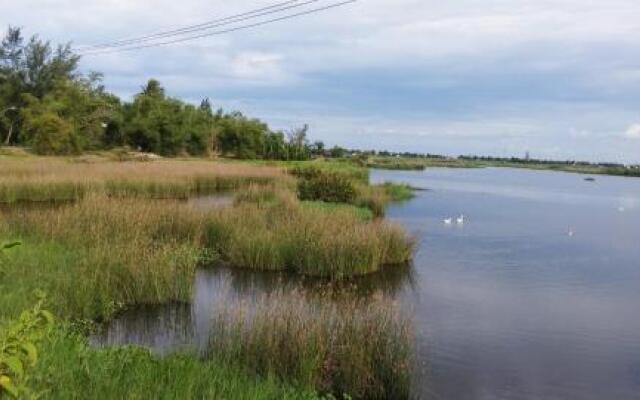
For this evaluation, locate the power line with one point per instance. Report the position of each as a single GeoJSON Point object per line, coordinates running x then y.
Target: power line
{"type": "Point", "coordinates": [128, 47]}
{"type": "Point", "coordinates": [191, 28]}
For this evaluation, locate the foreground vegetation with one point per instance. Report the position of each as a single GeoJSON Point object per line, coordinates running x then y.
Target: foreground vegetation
{"type": "Point", "coordinates": [126, 237]}
{"type": "Point", "coordinates": [70, 368]}
{"type": "Point", "coordinates": [136, 251]}
{"type": "Point", "coordinates": [317, 342]}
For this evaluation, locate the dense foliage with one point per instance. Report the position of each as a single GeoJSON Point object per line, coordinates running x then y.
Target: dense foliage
{"type": "Point", "coordinates": [46, 104]}
{"type": "Point", "coordinates": [19, 341]}
{"type": "Point", "coordinates": [328, 186]}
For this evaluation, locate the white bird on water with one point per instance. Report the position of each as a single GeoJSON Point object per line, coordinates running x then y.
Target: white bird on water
{"type": "Point", "coordinates": [570, 232]}
{"type": "Point", "coordinates": [460, 219]}
{"type": "Point", "coordinates": [447, 221]}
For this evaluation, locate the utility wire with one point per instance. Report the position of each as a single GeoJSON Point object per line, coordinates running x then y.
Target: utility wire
{"type": "Point", "coordinates": [220, 32]}
{"type": "Point", "coordinates": [189, 28]}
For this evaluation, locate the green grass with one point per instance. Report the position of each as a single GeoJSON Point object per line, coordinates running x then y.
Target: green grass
{"type": "Point", "coordinates": [420, 163]}
{"type": "Point", "coordinates": [116, 247]}
{"type": "Point", "coordinates": [398, 191]}
{"type": "Point", "coordinates": [319, 341]}
{"type": "Point", "coordinates": [394, 163]}
{"type": "Point", "coordinates": [362, 213]}
{"type": "Point", "coordinates": [99, 254]}
{"type": "Point", "coordinates": [68, 368]}
{"type": "Point", "coordinates": [306, 240]}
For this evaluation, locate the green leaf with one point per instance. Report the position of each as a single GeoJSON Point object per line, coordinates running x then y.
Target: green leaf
{"type": "Point", "coordinates": [7, 385]}
{"type": "Point", "coordinates": [31, 351]}
{"type": "Point", "coordinates": [47, 315]}
{"type": "Point", "coordinates": [15, 366]}
{"type": "Point", "coordinates": [11, 245]}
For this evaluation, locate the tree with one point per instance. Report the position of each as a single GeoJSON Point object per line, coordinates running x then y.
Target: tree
{"type": "Point", "coordinates": [275, 146]}
{"type": "Point", "coordinates": [241, 136]}
{"type": "Point", "coordinates": [33, 68]}
{"type": "Point", "coordinates": [337, 152]}
{"type": "Point", "coordinates": [298, 144]}
{"type": "Point", "coordinates": [153, 121]}
{"type": "Point", "coordinates": [46, 131]}
{"type": "Point", "coordinates": [317, 148]}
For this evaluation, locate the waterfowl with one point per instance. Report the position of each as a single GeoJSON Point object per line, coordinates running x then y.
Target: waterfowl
{"type": "Point", "coordinates": [447, 221]}
{"type": "Point", "coordinates": [460, 219]}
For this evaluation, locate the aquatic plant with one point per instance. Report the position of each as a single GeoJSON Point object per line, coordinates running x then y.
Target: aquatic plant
{"type": "Point", "coordinates": [128, 251]}
{"type": "Point", "coordinates": [319, 341]}
{"type": "Point", "coordinates": [69, 368]}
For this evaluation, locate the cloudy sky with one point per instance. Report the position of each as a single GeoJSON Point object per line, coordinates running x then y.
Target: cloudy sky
{"type": "Point", "coordinates": [557, 78]}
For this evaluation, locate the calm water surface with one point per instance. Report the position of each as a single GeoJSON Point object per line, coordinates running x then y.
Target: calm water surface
{"type": "Point", "coordinates": [510, 305]}
{"type": "Point", "coordinates": [507, 306]}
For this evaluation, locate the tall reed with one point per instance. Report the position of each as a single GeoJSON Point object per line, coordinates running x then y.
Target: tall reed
{"type": "Point", "coordinates": [333, 243]}
{"type": "Point", "coordinates": [45, 179]}
{"type": "Point", "coordinates": [337, 344]}
{"type": "Point", "coordinates": [102, 252]}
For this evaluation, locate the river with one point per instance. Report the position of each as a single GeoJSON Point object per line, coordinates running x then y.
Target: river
{"type": "Point", "coordinates": [535, 296]}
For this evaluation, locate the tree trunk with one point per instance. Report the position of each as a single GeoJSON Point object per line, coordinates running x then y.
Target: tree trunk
{"type": "Point", "coordinates": [8, 139]}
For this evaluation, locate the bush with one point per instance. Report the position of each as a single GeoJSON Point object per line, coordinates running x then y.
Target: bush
{"type": "Point", "coordinates": [330, 187]}
{"type": "Point", "coordinates": [18, 350]}
{"type": "Point", "coordinates": [50, 134]}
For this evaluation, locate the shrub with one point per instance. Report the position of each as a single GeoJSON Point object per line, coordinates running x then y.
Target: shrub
{"type": "Point", "coordinates": [331, 187]}
{"type": "Point", "coordinates": [18, 349]}
{"type": "Point", "coordinates": [50, 134]}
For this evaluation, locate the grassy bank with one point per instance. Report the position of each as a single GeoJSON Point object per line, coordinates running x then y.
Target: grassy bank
{"type": "Point", "coordinates": [421, 163]}
{"type": "Point", "coordinates": [418, 163]}
{"type": "Point", "coordinates": [69, 368]}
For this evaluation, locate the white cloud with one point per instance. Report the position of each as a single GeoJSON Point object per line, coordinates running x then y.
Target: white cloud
{"type": "Point", "coordinates": [260, 68]}
{"type": "Point", "coordinates": [463, 75]}
{"type": "Point", "coordinates": [633, 132]}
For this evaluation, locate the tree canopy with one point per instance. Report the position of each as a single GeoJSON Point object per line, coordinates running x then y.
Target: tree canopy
{"type": "Point", "coordinates": [47, 104]}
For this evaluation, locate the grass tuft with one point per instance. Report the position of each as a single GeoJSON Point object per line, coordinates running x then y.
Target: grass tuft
{"type": "Point", "coordinates": [319, 343]}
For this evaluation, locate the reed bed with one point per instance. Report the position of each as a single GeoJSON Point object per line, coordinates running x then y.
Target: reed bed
{"type": "Point", "coordinates": [339, 345]}
{"type": "Point", "coordinates": [317, 241]}
{"type": "Point", "coordinates": [45, 179]}
{"type": "Point", "coordinates": [100, 253]}
{"type": "Point", "coordinates": [68, 368]}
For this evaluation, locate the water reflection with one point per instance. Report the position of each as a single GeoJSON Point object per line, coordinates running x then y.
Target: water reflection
{"type": "Point", "coordinates": [162, 329]}
{"type": "Point", "coordinates": [209, 202]}
{"type": "Point", "coordinates": [170, 327]}
{"type": "Point", "coordinates": [507, 306]}
{"type": "Point", "coordinates": [510, 306]}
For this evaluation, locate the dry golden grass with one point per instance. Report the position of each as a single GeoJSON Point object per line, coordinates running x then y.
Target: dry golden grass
{"type": "Point", "coordinates": [55, 179]}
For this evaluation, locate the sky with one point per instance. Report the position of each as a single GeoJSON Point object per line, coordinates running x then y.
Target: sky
{"type": "Point", "coordinates": [556, 78]}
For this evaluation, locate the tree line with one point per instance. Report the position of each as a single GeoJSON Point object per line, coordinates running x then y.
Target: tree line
{"type": "Point", "coordinates": [48, 105]}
